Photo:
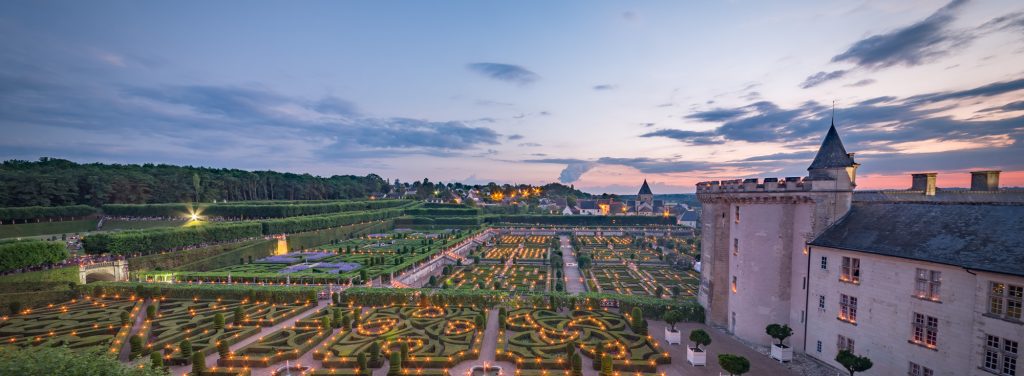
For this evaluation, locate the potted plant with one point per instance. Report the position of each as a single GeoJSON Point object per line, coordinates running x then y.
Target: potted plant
{"type": "Point", "coordinates": [673, 336]}
{"type": "Point", "coordinates": [735, 365]}
{"type": "Point", "coordinates": [853, 363]}
{"type": "Point", "coordinates": [780, 332]}
{"type": "Point", "coordinates": [695, 355]}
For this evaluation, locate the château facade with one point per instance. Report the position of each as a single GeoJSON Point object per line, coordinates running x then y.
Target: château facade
{"type": "Point", "coordinates": [924, 281]}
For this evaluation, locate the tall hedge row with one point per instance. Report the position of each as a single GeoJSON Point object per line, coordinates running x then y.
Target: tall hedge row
{"type": "Point", "coordinates": [443, 212]}
{"type": "Point", "coordinates": [581, 220]}
{"type": "Point", "coordinates": [28, 213]}
{"type": "Point", "coordinates": [16, 255]}
{"type": "Point", "coordinates": [160, 239]}
{"type": "Point", "coordinates": [439, 221]}
{"type": "Point", "coordinates": [249, 210]}
{"type": "Point", "coordinates": [317, 222]}
{"type": "Point", "coordinates": [273, 294]}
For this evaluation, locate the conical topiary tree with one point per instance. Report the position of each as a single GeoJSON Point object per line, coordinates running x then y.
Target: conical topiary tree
{"type": "Point", "coordinates": [395, 368]}
{"type": "Point", "coordinates": [124, 318]}
{"type": "Point", "coordinates": [156, 361]}
{"type": "Point", "coordinates": [239, 315]}
{"type": "Point", "coordinates": [135, 344]}
{"type": "Point", "coordinates": [577, 365]}
{"type": "Point", "coordinates": [606, 366]}
{"type": "Point", "coordinates": [151, 311]}
{"type": "Point", "coordinates": [637, 321]}
{"type": "Point", "coordinates": [734, 364]}
{"type": "Point", "coordinates": [404, 350]}
{"type": "Point", "coordinates": [364, 369]}
{"type": "Point", "coordinates": [198, 364]}
{"type": "Point", "coordinates": [374, 351]}
{"type": "Point", "coordinates": [223, 349]}
{"type": "Point", "coordinates": [185, 347]}
{"type": "Point", "coordinates": [218, 321]}
{"type": "Point", "coordinates": [336, 318]}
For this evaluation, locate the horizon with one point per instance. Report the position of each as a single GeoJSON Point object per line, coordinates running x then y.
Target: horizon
{"type": "Point", "coordinates": [598, 96]}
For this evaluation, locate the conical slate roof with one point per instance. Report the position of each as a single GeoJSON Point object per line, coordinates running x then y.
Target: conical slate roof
{"type": "Point", "coordinates": [645, 189]}
{"type": "Point", "coordinates": [832, 154]}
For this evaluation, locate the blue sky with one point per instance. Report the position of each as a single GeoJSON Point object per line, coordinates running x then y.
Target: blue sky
{"type": "Point", "coordinates": [596, 94]}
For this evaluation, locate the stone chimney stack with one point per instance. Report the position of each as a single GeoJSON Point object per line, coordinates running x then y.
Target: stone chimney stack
{"type": "Point", "coordinates": [924, 182]}
{"type": "Point", "coordinates": [985, 180]}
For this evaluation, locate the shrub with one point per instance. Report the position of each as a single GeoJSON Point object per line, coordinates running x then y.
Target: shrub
{"type": "Point", "coordinates": [363, 368]}
{"type": "Point", "coordinates": [22, 254]}
{"type": "Point", "coordinates": [151, 311]}
{"type": "Point", "coordinates": [395, 369]}
{"type": "Point", "coordinates": [374, 351]}
{"type": "Point", "coordinates": [779, 332]}
{"type": "Point", "coordinates": [852, 362]}
{"type": "Point", "coordinates": [606, 366]}
{"type": "Point", "coordinates": [45, 360]}
{"type": "Point", "coordinates": [198, 364]}
{"type": "Point", "coordinates": [218, 321]}
{"type": "Point", "coordinates": [734, 364]}
{"type": "Point", "coordinates": [699, 337]}
{"type": "Point", "coordinates": [135, 345]}
{"type": "Point", "coordinates": [156, 361]}
{"type": "Point", "coordinates": [185, 347]}
{"type": "Point", "coordinates": [223, 349]}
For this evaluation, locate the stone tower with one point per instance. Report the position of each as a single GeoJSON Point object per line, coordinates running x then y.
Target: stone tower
{"type": "Point", "coordinates": [753, 242]}
{"type": "Point", "coordinates": [645, 200]}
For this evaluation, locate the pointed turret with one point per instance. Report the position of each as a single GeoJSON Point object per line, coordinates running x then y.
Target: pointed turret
{"type": "Point", "coordinates": [832, 154]}
{"type": "Point", "coordinates": [646, 190]}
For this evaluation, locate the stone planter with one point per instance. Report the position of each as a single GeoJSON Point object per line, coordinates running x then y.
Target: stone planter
{"type": "Point", "coordinates": [782, 353]}
{"type": "Point", "coordinates": [696, 357]}
{"type": "Point", "coordinates": [673, 338]}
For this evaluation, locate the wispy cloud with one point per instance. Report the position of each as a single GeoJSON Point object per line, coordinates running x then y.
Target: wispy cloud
{"type": "Point", "coordinates": [515, 137]}
{"type": "Point", "coordinates": [911, 45]}
{"type": "Point", "coordinates": [504, 72]}
{"type": "Point", "coordinates": [821, 77]}
{"type": "Point", "coordinates": [605, 87]}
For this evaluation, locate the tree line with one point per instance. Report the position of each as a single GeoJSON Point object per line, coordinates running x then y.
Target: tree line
{"type": "Point", "coordinates": [59, 182]}
{"type": "Point", "coordinates": [251, 210]}
{"type": "Point", "coordinates": [22, 254]}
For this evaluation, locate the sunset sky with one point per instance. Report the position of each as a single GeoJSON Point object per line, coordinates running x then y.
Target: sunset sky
{"type": "Point", "coordinates": [598, 94]}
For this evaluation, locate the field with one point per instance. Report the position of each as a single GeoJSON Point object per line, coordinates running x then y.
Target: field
{"type": "Point", "coordinates": [437, 338]}
{"type": "Point", "coordinates": [537, 339]}
{"type": "Point", "coordinates": [520, 278]}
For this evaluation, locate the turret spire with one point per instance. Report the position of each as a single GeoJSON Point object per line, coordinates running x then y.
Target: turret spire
{"type": "Point", "coordinates": [832, 154]}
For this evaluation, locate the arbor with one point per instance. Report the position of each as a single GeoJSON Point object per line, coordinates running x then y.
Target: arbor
{"type": "Point", "coordinates": [700, 337]}
{"type": "Point", "coordinates": [734, 364]}
{"type": "Point", "coordinates": [852, 362]}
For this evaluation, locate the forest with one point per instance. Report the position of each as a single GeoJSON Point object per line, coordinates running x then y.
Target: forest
{"type": "Point", "coordinates": [59, 182]}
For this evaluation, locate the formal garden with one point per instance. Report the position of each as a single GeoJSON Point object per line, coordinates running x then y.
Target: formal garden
{"type": "Point", "coordinates": [517, 278]}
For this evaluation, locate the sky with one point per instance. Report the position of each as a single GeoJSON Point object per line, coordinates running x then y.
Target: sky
{"type": "Point", "coordinates": [597, 94]}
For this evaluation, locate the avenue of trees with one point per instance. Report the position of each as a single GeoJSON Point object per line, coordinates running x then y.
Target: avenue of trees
{"type": "Point", "coordinates": [21, 254]}
{"type": "Point", "coordinates": [58, 182]}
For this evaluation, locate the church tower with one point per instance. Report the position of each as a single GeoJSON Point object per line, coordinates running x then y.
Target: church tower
{"type": "Point", "coordinates": [645, 200]}
{"type": "Point", "coordinates": [753, 236]}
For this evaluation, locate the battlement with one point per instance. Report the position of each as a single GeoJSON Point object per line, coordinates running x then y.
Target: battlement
{"type": "Point", "coordinates": [788, 184]}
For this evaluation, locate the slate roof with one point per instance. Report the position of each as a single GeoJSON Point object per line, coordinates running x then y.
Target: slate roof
{"type": "Point", "coordinates": [645, 189]}
{"type": "Point", "coordinates": [831, 154]}
{"type": "Point", "coordinates": [690, 216]}
{"type": "Point", "coordinates": [588, 204]}
{"type": "Point", "coordinates": [974, 236]}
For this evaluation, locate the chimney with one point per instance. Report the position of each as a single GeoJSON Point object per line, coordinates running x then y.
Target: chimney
{"type": "Point", "coordinates": [924, 182]}
{"type": "Point", "coordinates": [985, 180]}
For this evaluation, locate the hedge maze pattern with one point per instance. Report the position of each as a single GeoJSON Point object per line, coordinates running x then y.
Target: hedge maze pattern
{"type": "Point", "coordinates": [179, 319]}
{"type": "Point", "coordinates": [78, 324]}
{"type": "Point", "coordinates": [537, 339]}
{"type": "Point", "coordinates": [517, 278]}
{"type": "Point", "coordinates": [437, 337]}
{"type": "Point", "coordinates": [285, 344]}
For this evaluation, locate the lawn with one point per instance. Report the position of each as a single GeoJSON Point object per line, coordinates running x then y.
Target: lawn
{"type": "Point", "coordinates": [47, 228]}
